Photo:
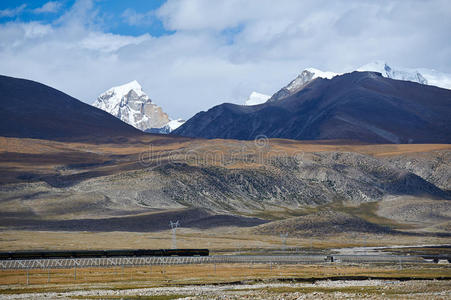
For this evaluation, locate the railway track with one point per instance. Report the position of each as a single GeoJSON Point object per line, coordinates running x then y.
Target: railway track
{"type": "Point", "coordinates": [64, 263]}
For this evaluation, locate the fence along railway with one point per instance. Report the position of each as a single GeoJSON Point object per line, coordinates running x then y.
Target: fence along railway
{"type": "Point", "coordinates": [143, 257]}
{"type": "Point", "coordinates": [66, 263]}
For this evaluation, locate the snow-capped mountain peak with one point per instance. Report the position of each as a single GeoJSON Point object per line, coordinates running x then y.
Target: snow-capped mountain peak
{"type": "Point", "coordinates": [256, 98]}
{"type": "Point", "coordinates": [436, 78]}
{"type": "Point", "coordinates": [300, 82]}
{"type": "Point", "coordinates": [125, 88]}
{"type": "Point", "coordinates": [129, 103]}
{"type": "Point", "coordinates": [306, 76]}
{"type": "Point", "coordinates": [322, 74]}
{"type": "Point", "coordinates": [398, 73]}
{"type": "Point", "coordinates": [174, 124]}
{"type": "Point", "coordinates": [115, 94]}
{"type": "Point", "coordinates": [422, 76]}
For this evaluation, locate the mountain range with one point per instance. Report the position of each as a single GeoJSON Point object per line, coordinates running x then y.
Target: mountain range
{"type": "Point", "coordinates": [423, 76]}
{"type": "Point", "coordinates": [132, 105]}
{"type": "Point", "coordinates": [360, 106]}
{"type": "Point", "coordinates": [367, 107]}
{"type": "Point", "coordinates": [115, 177]}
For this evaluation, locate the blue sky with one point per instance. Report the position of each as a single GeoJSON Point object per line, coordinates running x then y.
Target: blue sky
{"type": "Point", "coordinates": [190, 55]}
{"type": "Point", "coordinates": [114, 15]}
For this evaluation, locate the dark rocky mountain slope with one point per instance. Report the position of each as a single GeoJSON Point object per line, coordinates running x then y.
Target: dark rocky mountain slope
{"type": "Point", "coordinates": [30, 109]}
{"type": "Point", "coordinates": [360, 106]}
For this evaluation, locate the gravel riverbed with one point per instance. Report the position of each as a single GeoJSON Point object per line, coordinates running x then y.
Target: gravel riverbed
{"type": "Point", "coordinates": [355, 289]}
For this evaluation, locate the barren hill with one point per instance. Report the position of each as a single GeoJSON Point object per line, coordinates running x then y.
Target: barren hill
{"type": "Point", "coordinates": [33, 110]}
{"type": "Point", "coordinates": [66, 182]}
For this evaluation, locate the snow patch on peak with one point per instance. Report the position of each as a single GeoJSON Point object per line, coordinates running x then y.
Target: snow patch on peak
{"type": "Point", "coordinates": [420, 75]}
{"type": "Point", "coordinates": [322, 74]}
{"type": "Point", "coordinates": [256, 98]}
{"type": "Point", "coordinates": [124, 89]}
{"type": "Point", "coordinates": [168, 128]}
{"type": "Point", "coordinates": [436, 78]}
{"type": "Point", "coordinates": [174, 124]}
{"type": "Point", "coordinates": [394, 73]}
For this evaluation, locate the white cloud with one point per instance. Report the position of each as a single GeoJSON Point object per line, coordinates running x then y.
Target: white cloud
{"type": "Point", "coordinates": [107, 42]}
{"type": "Point", "coordinates": [133, 18]}
{"type": "Point", "coordinates": [49, 7]}
{"type": "Point", "coordinates": [223, 50]}
{"type": "Point", "coordinates": [12, 12]}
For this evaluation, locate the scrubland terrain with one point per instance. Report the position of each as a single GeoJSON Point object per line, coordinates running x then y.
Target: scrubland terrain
{"type": "Point", "coordinates": [260, 188]}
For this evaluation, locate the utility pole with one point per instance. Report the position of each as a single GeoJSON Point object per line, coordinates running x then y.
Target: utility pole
{"type": "Point", "coordinates": [174, 226]}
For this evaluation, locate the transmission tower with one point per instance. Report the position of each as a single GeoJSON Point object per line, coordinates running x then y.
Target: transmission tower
{"type": "Point", "coordinates": [174, 226]}
{"type": "Point", "coordinates": [283, 237]}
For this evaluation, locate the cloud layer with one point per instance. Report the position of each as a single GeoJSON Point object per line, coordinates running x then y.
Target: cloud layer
{"type": "Point", "coordinates": [219, 51]}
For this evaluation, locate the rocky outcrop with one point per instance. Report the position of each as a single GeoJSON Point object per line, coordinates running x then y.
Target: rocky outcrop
{"type": "Point", "coordinates": [294, 86]}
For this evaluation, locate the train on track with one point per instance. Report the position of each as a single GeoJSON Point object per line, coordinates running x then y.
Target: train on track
{"type": "Point", "coordinates": [18, 255]}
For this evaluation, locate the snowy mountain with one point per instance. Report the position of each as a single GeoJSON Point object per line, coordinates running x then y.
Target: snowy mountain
{"type": "Point", "coordinates": [356, 106]}
{"type": "Point", "coordinates": [129, 103]}
{"type": "Point", "coordinates": [423, 76]}
{"type": "Point", "coordinates": [398, 73]}
{"type": "Point", "coordinates": [300, 82]}
{"type": "Point", "coordinates": [256, 98]}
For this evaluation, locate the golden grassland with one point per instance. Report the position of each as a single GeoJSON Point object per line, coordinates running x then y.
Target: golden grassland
{"type": "Point", "coordinates": [160, 143]}
{"type": "Point", "coordinates": [219, 240]}
{"type": "Point", "coordinates": [39, 280]}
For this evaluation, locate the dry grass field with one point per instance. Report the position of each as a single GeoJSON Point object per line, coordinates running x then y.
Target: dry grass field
{"type": "Point", "coordinates": [175, 278]}
{"type": "Point", "coordinates": [220, 240]}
